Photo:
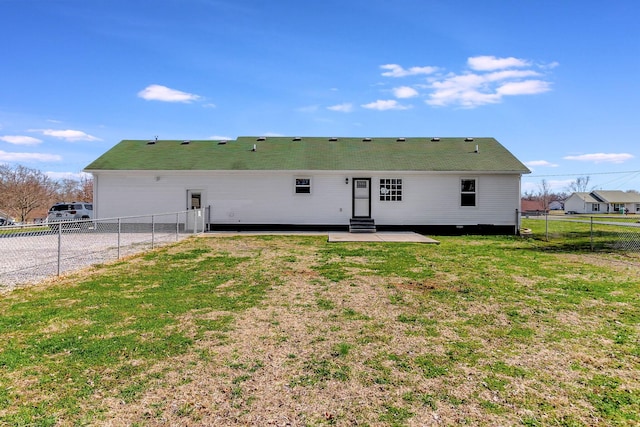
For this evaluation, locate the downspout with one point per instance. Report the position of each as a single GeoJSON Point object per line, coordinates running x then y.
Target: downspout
{"type": "Point", "coordinates": [519, 208]}
{"type": "Point", "coordinates": [95, 195]}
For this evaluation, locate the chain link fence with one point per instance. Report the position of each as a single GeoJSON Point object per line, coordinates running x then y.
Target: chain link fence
{"type": "Point", "coordinates": [33, 252]}
{"type": "Point", "coordinates": [595, 233]}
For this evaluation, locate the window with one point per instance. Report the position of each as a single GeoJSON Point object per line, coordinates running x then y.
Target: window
{"type": "Point", "coordinates": [595, 207]}
{"type": "Point", "coordinates": [467, 192]}
{"type": "Point", "coordinates": [391, 190]}
{"type": "Point", "coordinates": [303, 185]}
{"type": "Point", "coordinates": [617, 207]}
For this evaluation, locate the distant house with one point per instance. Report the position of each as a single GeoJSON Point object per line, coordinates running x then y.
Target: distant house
{"type": "Point", "coordinates": [534, 207]}
{"type": "Point", "coordinates": [445, 185]}
{"type": "Point", "coordinates": [601, 201]}
{"type": "Point", "coordinates": [556, 205]}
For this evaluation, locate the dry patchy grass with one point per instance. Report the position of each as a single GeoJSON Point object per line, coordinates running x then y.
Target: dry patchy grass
{"type": "Point", "coordinates": [345, 338]}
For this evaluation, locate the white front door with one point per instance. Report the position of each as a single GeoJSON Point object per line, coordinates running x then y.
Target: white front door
{"type": "Point", "coordinates": [195, 214]}
{"type": "Point", "coordinates": [362, 197]}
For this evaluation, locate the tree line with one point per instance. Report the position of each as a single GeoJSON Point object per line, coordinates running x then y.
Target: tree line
{"type": "Point", "coordinates": [26, 193]}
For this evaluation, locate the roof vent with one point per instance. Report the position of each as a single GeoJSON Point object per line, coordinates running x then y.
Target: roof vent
{"type": "Point", "coordinates": [401, 139]}
{"type": "Point", "coordinates": [151, 142]}
{"type": "Point", "coordinates": [366, 140]}
{"type": "Point", "coordinates": [297, 138]}
{"type": "Point", "coordinates": [255, 148]}
{"type": "Point", "coordinates": [333, 139]}
{"type": "Point", "coordinates": [468, 139]}
{"type": "Point", "coordinates": [435, 139]}
{"type": "Point", "coordinates": [223, 142]}
{"type": "Point", "coordinates": [186, 142]}
{"type": "Point", "coordinates": [262, 138]}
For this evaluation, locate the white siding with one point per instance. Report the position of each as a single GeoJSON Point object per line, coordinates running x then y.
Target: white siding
{"type": "Point", "coordinates": [576, 203]}
{"type": "Point", "coordinates": [434, 199]}
{"type": "Point", "coordinates": [241, 197]}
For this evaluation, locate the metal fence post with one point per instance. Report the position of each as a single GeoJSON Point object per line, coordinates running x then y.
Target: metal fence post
{"type": "Point", "coordinates": [195, 221]}
{"type": "Point", "coordinates": [59, 246]}
{"type": "Point", "coordinates": [119, 238]}
{"type": "Point", "coordinates": [591, 233]}
{"type": "Point", "coordinates": [546, 226]}
{"type": "Point", "coordinates": [153, 231]}
{"type": "Point", "coordinates": [177, 226]}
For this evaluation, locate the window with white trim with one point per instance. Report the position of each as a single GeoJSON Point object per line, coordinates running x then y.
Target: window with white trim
{"type": "Point", "coordinates": [391, 189]}
{"type": "Point", "coordinates": [595, 207]}
{"type": "Point", "coordinates": [468, 192]}
{"type": "Point", "coordinates": [303, 185]}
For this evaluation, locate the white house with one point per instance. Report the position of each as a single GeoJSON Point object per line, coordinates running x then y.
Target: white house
{"type": "Point", "coordinates": [601, 201]}
{"type": "Point", "coordinates": [444, 185]}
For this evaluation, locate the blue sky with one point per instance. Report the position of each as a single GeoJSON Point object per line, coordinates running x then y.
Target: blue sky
{"type": "Point", "coordinates": [556, 82]}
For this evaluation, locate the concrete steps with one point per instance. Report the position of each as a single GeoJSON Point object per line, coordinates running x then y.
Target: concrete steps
{"type": "Point", "coordinates": [362, 225]}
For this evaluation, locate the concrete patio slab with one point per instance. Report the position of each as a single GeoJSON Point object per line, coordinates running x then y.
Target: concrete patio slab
{"type": "Point", "coordinates": [338, 236]}
{"type": "Point", "coordinates": [400, 237]}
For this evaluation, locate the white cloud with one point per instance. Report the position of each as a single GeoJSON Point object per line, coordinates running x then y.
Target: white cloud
{"type": "Point", "coordinates": [467, 90]}
{"type": "Point", "coordinates": [405, 92]}
{"type": "Point", "coordinates": [509, 74]}
{"type": "Point", "coordinates": [68, 175]}
{"type": "Point", "coordinates": [602, 157]}
{"type": "Point", "coordinates": [549, 66]}
{"type": "Point", "coordinates": [382, 105]}
{"type": "Point", "coordinates": [527, 87]}
{"type": "Point", "coordinates": [542, 163]}
{"type": "Point", "coordinates": [165, 94]}
{"type": "Point", "coordinates": [343, 108]}
{"type": "Point", "coordinates": [220, 138]}
{"type": "Point", "coordinates": [29, 157]}
{"type": "Point", "coordinates": [470, 90]}
{"type": "Point", "coordinates": [486, 80]}
{"type": "Point", "coordinates": [396, 70]}
{"type": "Point", "coordinates": [20, 140]}
{"type": "Point", "coordinates": [488, 63]}
{"type": "Point", "coordinates": [67, 134]}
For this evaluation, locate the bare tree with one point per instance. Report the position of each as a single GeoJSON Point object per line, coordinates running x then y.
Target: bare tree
{"type": "Point", "coordinates": [23, 190]}
{"type": "Point", "coordinates": [85, 189]}
{"type": "Point", "coordinates": [544, 194]}
{"type": "Point", "coordinates": [73, 190]}
{"type": "Point", "coordinates": [580, 185]}
{"type": "Point", "coordinates": [67, 189]}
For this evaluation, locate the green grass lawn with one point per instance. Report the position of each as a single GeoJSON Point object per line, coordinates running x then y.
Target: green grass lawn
{"type": "Point", "coordinates": [578, 233]}
{"type": "Point", "coordinates": [275, 329]}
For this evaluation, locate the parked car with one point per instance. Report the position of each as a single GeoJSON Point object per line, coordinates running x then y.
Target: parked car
{"type": "Point", "coordinates": [65, 212]}
{"type": "Point", "coordinates": [6, 221]}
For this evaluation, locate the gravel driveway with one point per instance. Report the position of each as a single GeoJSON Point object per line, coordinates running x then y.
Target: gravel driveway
{"type": "Point", "coordinates": [32, 257]}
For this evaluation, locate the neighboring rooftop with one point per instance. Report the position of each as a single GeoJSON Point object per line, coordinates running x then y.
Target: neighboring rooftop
{"type": "Point", "coordinates": [313, 153]}
{"type": "Point", "coordinates": [616, 196]}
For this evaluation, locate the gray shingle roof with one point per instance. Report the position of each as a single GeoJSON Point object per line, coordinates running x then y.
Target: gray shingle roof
{"type": "Point", "coordinates": [617, 196]}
